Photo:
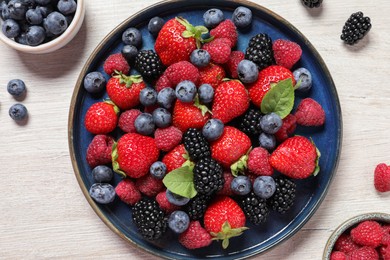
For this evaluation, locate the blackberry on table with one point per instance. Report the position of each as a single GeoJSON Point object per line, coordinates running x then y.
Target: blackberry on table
{"type": "Point", "coordinates": [208, 176]}
{"type": "Point", "coordinates": [197, 206]}
{"type": "Point", "coordinates": [250, 122]}
{"type": "Point", "coordinates": [355, 28]}
{"type": "Point", "coordinates": [284, 195]}
{"type": "Point", "coordinates": [260, 51]}
{"type": "Point", "coordinates": [196, 144]}
{"type": "Point", "coordinates": [148, 64]}
{"type": "Point", "coordinates": [312, 3]}
{"type": "Point", "coordinates": [149, 219]}
{"type": "Point", "coordinates": [255, 208]}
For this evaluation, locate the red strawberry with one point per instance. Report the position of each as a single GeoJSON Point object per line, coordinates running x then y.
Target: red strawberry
{"type": "Point", "coordinates": [345, 244]}
{"type": "Point", "coordinates": [296, 158]}
{"type": "Point", "coordinates": [337, 255]}
{"type": "Point", "coordinates": [101, 117]}
{"type": "Point", "coordinates": [124, 90]}
{"type": "Point", "coordinates": [271, 74]}
{"type": "Point", "coordinates": [187, 115]}
{"type": "Point", "coordinates": [232, 63]}
{"type": "Point", "coordinates": [212, 74]}
{"type": "Point", "coordinates": [286, 53]}
{"type": "Point", "coordinates": [230, 147]}
{"type": "Point", "coordinates": [288, 128]}
{"type": "Point", "coordinates": [127, 119]}
{"type": "Point", "coordinates": [99, 150]}
{"type": "Point", "coordinates": [128, 192]}
{"type": "Point", "coordinates": [224, 219]}
{"type": "Point", "coordinates": [258, 162]}
{"type": "Point", "coordinates": [164, 204]}
{"type": "Point", "coordinates": [226, 189]}
{"type": "Point", "coordinates": [219, 50]}
{"type": "Point", "coordinates": [149, 186]}
{"type": "Point", "coordinates": [134, 154]}
{"type": "Point", "coordinates": [175, 158]}
{"type": "Point", "coordinates": [367, 233]}
{"type": "Point", "coordinates": [230, 100]}
{"type": "Point", "coordinates": [364, 253]}
{"type": "Point", "coordinates": [167, 138]}
{"type": "Point", "coordinates": [226, 29]}
{"type": "Point", "coordinates": [382, 178]}
{"type": "Point", "coordinates": [171, 46]}
{"type": "Point", "coordinates": [182, 70]}
{"type": "Point", "coordinates": [163, 82]}
{"type": "Point", "coordinates": [116, 62]}
{"type": "Point", "coordinates": [195, 236]}
{"type": "Point", "coordinates": [310, 113]}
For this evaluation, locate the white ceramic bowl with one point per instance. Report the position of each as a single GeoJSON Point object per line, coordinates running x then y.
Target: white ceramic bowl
{"type": "Point", "coordinates": [58, 42]}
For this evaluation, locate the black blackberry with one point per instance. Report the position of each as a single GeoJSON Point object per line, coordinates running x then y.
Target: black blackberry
{"type": "Point", "coordinates": [148, 64]}
{"type": "Point", "coordinates": [255, 208]}
{"type": "Point", "coordinates": [312, 3]}
{"type": "Point", "coordinates": [149, 219]}
{"type": "Point", "coordinates": [250, 122]}
{"type": "Point", "coordinates": [197, 206]}
{"type": "Point", "coordinates": [196, 144]}
{"type": "Point", "coordinates": [284, 195]}
{"type": "Point", "coordinates": [355, 28]}
{"type": "Point", "coordinates": [260, 51]}
{"type": "Point", "coordinates": [208, 176]}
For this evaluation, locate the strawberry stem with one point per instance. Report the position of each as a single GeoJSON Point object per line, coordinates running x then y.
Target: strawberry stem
{"type": "Point", "coordinates": [193, 31]}
{"type": "Point", "coordinates": [203, 108]}
{"type": "Point", "coordinates": [128, 80]}
{"type": "Point", "coordinates": [241, 165]}
{"type": "Point", "coordinates": [226, 233]}
{"type": "Point", "coordinates": [115, 164]}
{"type": "Point", "coordinates": [116, 108]}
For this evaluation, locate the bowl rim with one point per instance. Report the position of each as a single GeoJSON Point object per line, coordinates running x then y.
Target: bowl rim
{"type": "Point", "coordinates": [74, 25]}
{"type": "Point", "coordinates": [347, 224]}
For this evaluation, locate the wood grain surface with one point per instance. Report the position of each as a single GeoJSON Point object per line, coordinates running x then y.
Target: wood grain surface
{"type": "Point", "coordinates": [43, 213]}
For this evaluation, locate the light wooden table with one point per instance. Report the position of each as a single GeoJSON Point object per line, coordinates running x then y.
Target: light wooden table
{"type": "Point", "coordinates": [43, 213]}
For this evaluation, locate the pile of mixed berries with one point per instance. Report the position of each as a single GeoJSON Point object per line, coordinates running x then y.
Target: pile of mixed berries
{"type": "Point", "coordinates": [207, 131]}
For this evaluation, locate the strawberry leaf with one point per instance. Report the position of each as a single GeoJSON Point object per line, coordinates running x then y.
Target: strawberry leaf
{"type": "Point", "coordinates": [203, 108]}
{"type": "Point", "coordinates": [317, 169]}
{"type": "Point", "coordinates": [115, 164]}
{"type": "Point", "coordinates": [181, 182]}
{"type": "Point", "coordinates": [226, 233]}
{"type": "Point", "coordinates": [279, 99]}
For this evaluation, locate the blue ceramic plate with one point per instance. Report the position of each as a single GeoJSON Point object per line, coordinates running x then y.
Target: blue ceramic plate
{"type": "Point", "coordinates": [310, 191]}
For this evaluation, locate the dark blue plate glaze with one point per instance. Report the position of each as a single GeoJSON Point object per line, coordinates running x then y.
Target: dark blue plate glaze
{"type": "Point", "coordinates": [311, 191]}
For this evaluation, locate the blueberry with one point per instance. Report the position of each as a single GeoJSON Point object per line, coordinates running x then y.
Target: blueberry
{"type": "Point", "coordinates": [129, 52]}
{"type": "Point", "coordinates": [17, 9]}
{"type": "Point", "coordinates": [213, 17]}
{"type": "Point", "coordinates": [303, 77]}
{"type": "Point", "coordinates": [102, 173]}
{"type": "Point", "coordinates": [148, 96]}
{"type": "Point", "coordinates": [132, 36]}
{"type": "Point", "coordinates": [18, 112]}
{"type": "Point", "coordinates": [165, 97]}
{"type": "Point", "coordinates": [30, 4]}
{"type": "Point", "coordinates": [158, 170]}
{"type": "Point", "coordinates": [155, 24]}
{"type": "Point", "coordinates": [247, 71]}
{"type": "Point", "coordinates": [176, 199]}
{"type": "Point", "coordinates": [242, 17]}
{"type": "Point", "coordinates": [162, 118]}
{"type": "Point", "coordinates": [213, 129]}
{"type": "Point", "coordinates": [34, 16]}
{"type": "Point", "coordinates": [264, 187]}
{"type": "Point", "coordinates": [102, 193]}
{"type": "Point", "coordinates": [144, 124]}
{"type": "Point", "coordinates": [241, 185]}
{"type": "Point", "coordinates": [267, 141]}
{"type": "Point", "coordinates": [45, 10]}
{"type": "Point", "coordinates": [55, 23]}
{"type": "Point", "coordinates": [206, 93]}
{"type": "Point", "coordinates": [35, 35]}
{"type": "Point", "coordinates": [178, 221]}
{"type": "Point", "coordinates": [186, 91]}
{"type": "Point", "coordinates": [94, 82]}
{"type": "Point", "coordinates": [200, 58]}
{"type": "Point", "coordinates": [271, 123]}
{"type": "Point", "coordinates": [67, 7]}
{"type": "Point", "coordinates": [16, 87]}
{"type": "Point", "coordinates": [21, 38]}
{"type": "Point", "coordinates": [10, 28]}
{"type": "Point", "coordinates": [4, 11]}
{"type": "Point", "coordinates": [43, 2]}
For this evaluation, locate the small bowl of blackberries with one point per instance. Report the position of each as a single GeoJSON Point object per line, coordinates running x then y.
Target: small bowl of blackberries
{"type": "Point", "coordinates": [40, 26]}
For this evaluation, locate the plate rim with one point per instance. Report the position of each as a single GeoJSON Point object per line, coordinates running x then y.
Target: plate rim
{"type": "Point", "coordinates": [119, 28]}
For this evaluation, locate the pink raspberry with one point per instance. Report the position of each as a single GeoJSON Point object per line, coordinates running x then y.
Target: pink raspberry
{"type": "Point", "coordinates": [226, 190]}
{"type": "Point", "coordinates": [226, 29]}
{"type": "Point", "coordinates": [288, 127]}
{"type": "Point", "coordinates": [127, 119]}
{"type": "Point", "coordinates": [164, 204]}
{"type": "Point", "coordinates": [219, 50]}
{"type": "Point", "coordinates": [232, 63]}
{"type": "Point", "coordinates": [345, 244]}
{"type": "Point", "coordinates": [116, 62]}
{"type": "Point", "coordinates": [195, 236]}
{"type": "Point", "coordinates": [149, 185]}
{"type": "Point", "coordinates": [367, 233]}
{"type": "Point", "coordinates": [382, 177]}
{"type": "Point", "coordinates": [337, 255]}
{"type": "Point", "coordinates": [180, 71]}
{"type": "Point", "coordinates": [99, 150]}
{"type": "Point", "coordinates": [167, 138]}
{"type": "Point", "coordinates": [128, 192]}
{"type": "Point", "coordinates": [365, 252]}
{"type": "Point", "coordinates": [310, 113]}
{"type": "Point", "coordinates": [163, 82]}
{"type": "Point", "coordinates": [258, 162]}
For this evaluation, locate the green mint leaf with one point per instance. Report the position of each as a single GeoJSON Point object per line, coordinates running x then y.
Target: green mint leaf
{"type": "Point", "coordinates": [181, 182]}
{"type": "Point", "coordinates": [279, 99]}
